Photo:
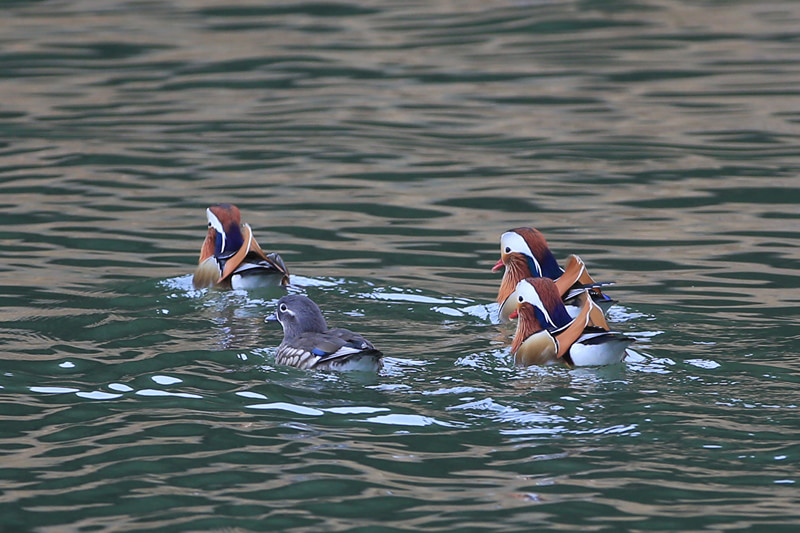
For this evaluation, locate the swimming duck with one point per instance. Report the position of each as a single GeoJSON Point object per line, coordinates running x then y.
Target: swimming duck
{"type": "Point", "coordinates": [309, 343]}
{"type": "Point", "coordinates": [231, 257]}
{"type": "Point", "coordinates": [524, 253]}
{"type": "Point", "coordinates": [546, 333]}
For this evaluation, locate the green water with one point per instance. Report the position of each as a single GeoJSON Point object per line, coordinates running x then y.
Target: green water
{"type": "Point", "coordinates": [382, 148]}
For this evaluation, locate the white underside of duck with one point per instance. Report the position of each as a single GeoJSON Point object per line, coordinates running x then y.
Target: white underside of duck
{"type": "Point", "coordinates": [354, 363]}
{"type": "Point", "coordinates": [256, 279]}
{"type": "Point", "coordinates": [597, 349]}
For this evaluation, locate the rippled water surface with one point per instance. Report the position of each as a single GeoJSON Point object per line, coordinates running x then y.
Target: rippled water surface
{"type": "Point", "coordinates": [381, 148]}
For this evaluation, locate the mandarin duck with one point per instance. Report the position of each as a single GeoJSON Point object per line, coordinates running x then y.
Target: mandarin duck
{"type": "Point", "coordinates": [231, 257]}
{"type": "Point", "coordinates": [524, 253]}
{"type": "Point", "coordinates": [309, 343]}
{"type": "Point", "coordinates": [546, 333]}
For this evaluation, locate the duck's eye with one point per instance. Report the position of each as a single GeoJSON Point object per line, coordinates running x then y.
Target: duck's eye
{"type": "Point", "coordinates": [209, 224]}
{"type": "Point", "coordinates": [521, 299]}
{"type": "Point", "coordinates": [508, 249]}
{"type": "Point", "coordinates": [283, 308]}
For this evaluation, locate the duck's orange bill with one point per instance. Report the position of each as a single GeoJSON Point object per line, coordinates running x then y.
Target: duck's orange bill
{"type": "Point", "coordinates": [498, 266]}
{"type": "Point", "coordinates": [515, 314]}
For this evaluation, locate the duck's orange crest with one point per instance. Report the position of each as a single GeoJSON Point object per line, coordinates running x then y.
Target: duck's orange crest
{"type": "Point", "coordinates": [227, 214]}
{"type": "Point", "coordinates": [534, 239]}
{"type": "Point", "coordinates": [517, 269]}
{"type": "Point", "coordinates": [547, 291]}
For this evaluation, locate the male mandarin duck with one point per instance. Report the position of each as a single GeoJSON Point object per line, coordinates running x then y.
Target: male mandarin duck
{"type": "Point", "coordinates": [231, 257]}
{"type": "Point", "coordinates": [309, 343]}
{"type": "Point", "coordinates": [524, 253]}
{"type": "Point", "coordinates": [546, 333]}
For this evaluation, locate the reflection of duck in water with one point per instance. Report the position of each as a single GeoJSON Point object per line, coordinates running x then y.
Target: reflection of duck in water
{"type": "Point", "coordinates": [546, 333]}
{"type": "Point", "coordinates": [524, 253]}
{"type": "Point", "coordinates": [231, 257]}
{"type": "Point", "coordinates": [309, 343]}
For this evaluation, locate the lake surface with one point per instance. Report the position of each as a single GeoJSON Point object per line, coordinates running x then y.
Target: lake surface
{"type": "Point", "coordinates": [382, 148]}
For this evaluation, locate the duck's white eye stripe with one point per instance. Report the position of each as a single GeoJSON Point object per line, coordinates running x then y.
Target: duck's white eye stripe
{"type": "Point", "coordinates": [514, 242]}
{"type": "Point", "coordinates": [528, 293]}
{"type": "Point", "coordinates": [214, 221]}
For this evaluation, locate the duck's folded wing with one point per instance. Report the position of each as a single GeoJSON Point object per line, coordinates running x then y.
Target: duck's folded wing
{"type": "Point", "coordinates": [570, 333]}
{"type": "Point", "coordinates": [573, 272]}
{"type": "Point", "coordinates": [250, 256]}
{"type": "Point", "coordinates": [273, 260]}
{"type": "Point", "coordinates": [340, 343]}
{"type": "Point", "coordinates": [579, 298]}
{"type": "Point", "coordinates": [576, 276]}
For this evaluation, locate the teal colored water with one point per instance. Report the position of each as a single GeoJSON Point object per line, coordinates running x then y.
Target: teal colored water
{"type": "Point", "coordinates": [382, 148]}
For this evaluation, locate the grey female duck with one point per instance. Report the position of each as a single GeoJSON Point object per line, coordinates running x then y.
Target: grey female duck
{"type": "Point", "coordinates": [308, 343]}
